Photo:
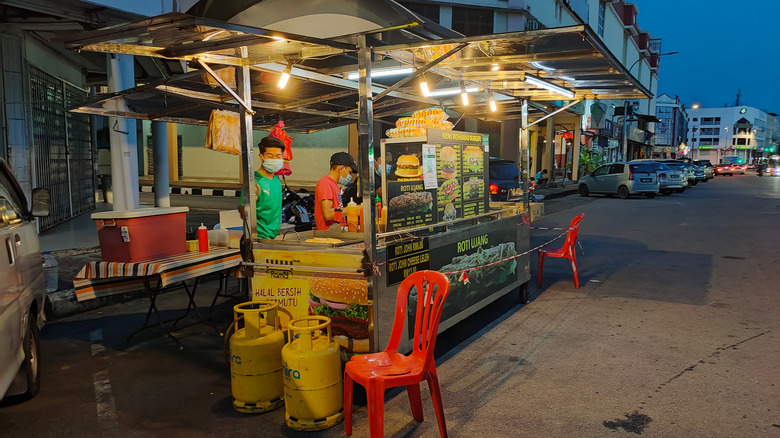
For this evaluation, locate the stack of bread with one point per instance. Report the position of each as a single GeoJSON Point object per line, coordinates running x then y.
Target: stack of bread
{"type": "Point", "coordinates": [418, 124]}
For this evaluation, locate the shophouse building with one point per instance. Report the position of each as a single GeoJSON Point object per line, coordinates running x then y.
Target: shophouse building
{"type": "Point", "coordinates": [742, 131]}
{"type": "Point", "coordinates": [671, 129]}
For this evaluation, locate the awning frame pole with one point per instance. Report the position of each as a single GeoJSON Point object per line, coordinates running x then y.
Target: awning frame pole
{"type": "Point", "coordinates": [246, 102]}
{"type": "Point", "coordinates": [247, 146]}
{"type": "Point", "coordinates": [561, 109]}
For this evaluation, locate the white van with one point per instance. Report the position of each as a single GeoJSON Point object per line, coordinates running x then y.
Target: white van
{"type": "Point", "coordinates": [22, 293]}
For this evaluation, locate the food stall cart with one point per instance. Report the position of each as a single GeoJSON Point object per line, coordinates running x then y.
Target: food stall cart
{"type": "Point", "coordinates": [439, 216]}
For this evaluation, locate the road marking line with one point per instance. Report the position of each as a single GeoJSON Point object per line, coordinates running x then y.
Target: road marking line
{"type": "Point", "coordinates": [104, 396]}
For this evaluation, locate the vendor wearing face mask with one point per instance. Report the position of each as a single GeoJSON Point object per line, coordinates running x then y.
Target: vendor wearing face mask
{"type": "Point", "coordinates": [268, 188]}
{"type": "Point", "coordinates": [327, 195]}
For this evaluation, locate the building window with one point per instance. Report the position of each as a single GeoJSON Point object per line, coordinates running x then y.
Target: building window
{"type": "Point", "coordinates": [472, 21]}
{"type": "Point", "coordinates": [426, 10]}
{"type": "Point", "coordinates": [710, 131]}
{"type": "Point", "coordinates": [602, 9]}
{"type": "Point", "coordinates": [733, 141]}
{"type": "Point", "coordinates": [741, 142]}
{"type": "Point", "coordinates": [748, 142]}
{"type": "Point", "coordinates": [695, 119]}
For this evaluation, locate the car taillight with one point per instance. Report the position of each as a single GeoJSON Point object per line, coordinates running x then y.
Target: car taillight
{"type": "Point", "coordinates": [630, 175]}
{"type": "Point", "coordinates": [493, 189]}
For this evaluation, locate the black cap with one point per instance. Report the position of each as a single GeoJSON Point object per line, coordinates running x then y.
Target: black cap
{"type": "Point", "coordinates": [343, 159]}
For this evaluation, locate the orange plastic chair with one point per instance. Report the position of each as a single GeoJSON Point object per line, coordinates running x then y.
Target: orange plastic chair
{"type": "Point", "coordinates": [389, 369]}
{"type": "Point", "coordinates": [566, 251]}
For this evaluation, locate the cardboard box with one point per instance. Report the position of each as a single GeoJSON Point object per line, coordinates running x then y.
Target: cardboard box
{"type": "Point", "coordinates": [537, 211]}
{"type": "Point", "coordinates": [143, 234]}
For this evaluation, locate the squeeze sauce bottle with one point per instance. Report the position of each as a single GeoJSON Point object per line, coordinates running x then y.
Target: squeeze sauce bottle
{"type": "Point", "coordinates": [203, 238]}
{"type": "Point", "coordinates": [352, 216]}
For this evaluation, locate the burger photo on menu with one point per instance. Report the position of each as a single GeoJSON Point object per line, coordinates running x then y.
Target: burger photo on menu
{"type": "Point", "coordinates": [410, 203]}
{"type": "Point", "coordinates": [447, 159]}
{"type": "Point", "coordinates": [449, 191]}
{"type": "Point", "coordinates": [344, 299]}
{"type": "Point", "coordinates": [473, 159]}
{"type": "Point", "coordinates": [408, 166]}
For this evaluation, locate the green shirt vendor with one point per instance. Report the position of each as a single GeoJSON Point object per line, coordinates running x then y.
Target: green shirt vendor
{"type": "Point", "coordinates": [268, 188]}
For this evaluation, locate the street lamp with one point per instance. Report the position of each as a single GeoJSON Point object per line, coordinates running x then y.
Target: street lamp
{"type": "Point", "coordinates": [625, 104]}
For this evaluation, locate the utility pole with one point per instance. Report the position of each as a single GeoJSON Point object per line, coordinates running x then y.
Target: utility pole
{"type": "Point", "coordinates": [625, 136]}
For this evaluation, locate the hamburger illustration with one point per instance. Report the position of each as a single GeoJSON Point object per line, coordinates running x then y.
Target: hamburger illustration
{"type": "Point", "coordinates": [407, 166]}
{"type": "Point", "coordinates": [344, 299]}
{"type": "Point", "coordinates": [447, 162]}
{"type": "Point", "coordinates": [472, 159]}
{"type": "Point", "coordinates": [449, 191]}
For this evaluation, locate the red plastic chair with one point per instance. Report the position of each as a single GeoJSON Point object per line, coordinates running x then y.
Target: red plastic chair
{"type": "Point", "coordinates": [389, 369]}
{"type": "Point", "coordinates": [566, 251]}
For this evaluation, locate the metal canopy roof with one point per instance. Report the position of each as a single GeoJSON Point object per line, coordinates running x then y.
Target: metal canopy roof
{"type": "Point", "coordinates": [319, 96]}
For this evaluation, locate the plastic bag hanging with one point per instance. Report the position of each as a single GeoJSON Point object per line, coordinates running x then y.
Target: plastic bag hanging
{"type": "Point", "coordinates": [278, 132]}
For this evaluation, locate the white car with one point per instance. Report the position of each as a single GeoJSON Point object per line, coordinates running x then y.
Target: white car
{"type": "Point", "coordinates": [22, 294]}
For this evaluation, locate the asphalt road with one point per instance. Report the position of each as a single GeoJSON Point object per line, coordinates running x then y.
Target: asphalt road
{"type": "Point", "coordinates": [672, 333]}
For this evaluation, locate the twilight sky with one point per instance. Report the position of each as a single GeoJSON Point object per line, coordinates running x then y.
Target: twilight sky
{"type": "Point", "coordinates": [724, 45]}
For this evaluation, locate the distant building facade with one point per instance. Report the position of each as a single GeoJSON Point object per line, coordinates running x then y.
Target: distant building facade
{"type": "Point", "coordinates": [672, 128]}
{"type": "Point", "coordinates": [736, 131]}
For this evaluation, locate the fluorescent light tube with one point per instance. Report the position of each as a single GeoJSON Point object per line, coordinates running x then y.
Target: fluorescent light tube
{"type": "Point", "coordinates": [549, 86]}
{"type": "Point", "coordinates": [451, 91]}
{"type": "Point", "coordinates": [379, 73]}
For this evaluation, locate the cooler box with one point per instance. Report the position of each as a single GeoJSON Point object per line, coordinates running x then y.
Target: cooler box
{"type": "Point", "coordinates": [143, 234]}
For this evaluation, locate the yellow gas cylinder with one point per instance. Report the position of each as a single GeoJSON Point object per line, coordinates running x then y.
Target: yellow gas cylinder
{"type": "Point", "coordinates": [313, 391]}
{"type": "Point", "coordinates": [256, 358]}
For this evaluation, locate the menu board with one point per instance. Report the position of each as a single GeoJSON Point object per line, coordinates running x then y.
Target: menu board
{"type": "Point", "coordinates": [461, 174]}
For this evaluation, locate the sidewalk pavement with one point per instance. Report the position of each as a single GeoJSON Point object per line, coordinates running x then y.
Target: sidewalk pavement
{"type": "Point", "coordinates": [75, 243]}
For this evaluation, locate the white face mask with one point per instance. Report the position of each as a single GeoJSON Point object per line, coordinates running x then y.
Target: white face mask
{"type": "Point", "coordinates": [273, 165]}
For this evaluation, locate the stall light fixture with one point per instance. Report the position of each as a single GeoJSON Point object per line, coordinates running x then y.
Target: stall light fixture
{"type": "Point", "coordinates": [285, 74]}
{"type": "Point", "coordinates": [533, 80]}
{"type": "Point", "coordinates": [492, 102]}
{"type": "Point", "coordinates": [464, 95]}
{"type": "Point", "coordinates": [451, 91]}
{"type": "Point", "coordinates": [424, 86]}
{"type": "Point", "coordinates": [494, 67]}
{"type": "Point", "coordinates": [379, 73]}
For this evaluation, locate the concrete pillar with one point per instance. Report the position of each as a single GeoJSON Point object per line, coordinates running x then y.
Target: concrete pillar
{"type": "Point", "coordinates": [548, 156]}
{"type": "Point", "coordinates": [122, 133]}
{"type": "Point", "coordinates": [162, 196]}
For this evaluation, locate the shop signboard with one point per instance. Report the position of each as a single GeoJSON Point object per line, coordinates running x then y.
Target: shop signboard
{"type": "Point", "coordinates": [460, 174]}
{"type": "Point", "coordinates": [492, 250]}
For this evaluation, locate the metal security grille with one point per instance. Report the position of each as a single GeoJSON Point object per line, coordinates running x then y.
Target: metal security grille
{"type": "Point", "coordinates": [62, 146]}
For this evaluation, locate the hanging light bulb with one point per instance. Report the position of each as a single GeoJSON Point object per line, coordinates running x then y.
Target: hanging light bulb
{"type": "Point", "coordinates": [464, 96]}
{"type": "Point", "coordinates": [424, 86]}
{"type": "Point", "coordinates": [492, 102]}
{"type": "Point", "coordinates": [495, 67]}
{"type": "Point", "coordinates": [285, 74]}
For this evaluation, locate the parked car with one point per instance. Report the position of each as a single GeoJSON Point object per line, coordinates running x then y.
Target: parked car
{"type": "Point", "coordinates": [669, 179]}
{"type": "Point", "coordinates": [504, 179]}
{"type": "Point", "coordinates": [698, 172]}
{"type": "Point", "coordinates": [22, 291]}
{"type": "Point", "coordinates": [709, 170]}
{"type": "Point", "coordinates": [676, 165]}
{"type": "Point", "coordinates": [622, 179]}
{"type": "Point", "coordinates": [724, 169]}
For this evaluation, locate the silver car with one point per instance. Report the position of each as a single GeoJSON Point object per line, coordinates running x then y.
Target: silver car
{"type": "Point", "coordinates": [687, 173]}
{"type": "Point", "coordinates": [22, 292]}
{"type": "Point", "coordinates": [669, 179]}
{"type": "Point", "coordinates": [622, 179]}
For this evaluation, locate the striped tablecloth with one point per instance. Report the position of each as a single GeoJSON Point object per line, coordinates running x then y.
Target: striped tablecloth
{"type": "Point", "coordinates": [100, 279]}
